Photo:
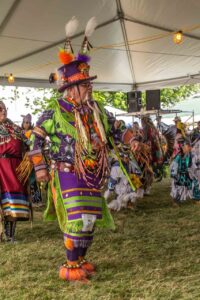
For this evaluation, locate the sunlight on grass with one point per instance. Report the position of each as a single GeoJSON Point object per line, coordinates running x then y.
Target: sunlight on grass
{"type": "Point", "coordinates": [152, 254]}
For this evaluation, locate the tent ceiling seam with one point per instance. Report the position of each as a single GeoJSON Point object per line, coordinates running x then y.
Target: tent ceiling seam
{"type": "Point", "coordinates": [189, 77]}
{"type": "Point", "coordinates": [21, 79]}
{"type": "Point", "coordinates": [21, 57]}
{"type": "Point", "coordinates": [33, 81]}
{"type": "Point", "coordinates": [126, 18]}
{"type": "Point", "coordinates": [9, 15]}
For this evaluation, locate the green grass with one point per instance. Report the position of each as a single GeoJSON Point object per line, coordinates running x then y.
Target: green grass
{"type": "Point", "coordinates": [154, 253]}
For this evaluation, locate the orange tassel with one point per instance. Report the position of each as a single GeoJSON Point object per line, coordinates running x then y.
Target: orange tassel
{"type": "Point", "coordinates": [37, 159]}
{"type": "Point", "coordinates": [69, 244]}
{"type": "Point", "coordinates": [88, 267]}
{"type": "Point", "coordinates": [28, 134]}
{"type": "Point", "coordinates": [65, 57]}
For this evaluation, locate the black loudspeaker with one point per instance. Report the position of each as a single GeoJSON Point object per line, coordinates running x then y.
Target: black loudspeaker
{"type": "Point", "coordinates": [134, 101]}
{"type": "Point", "coordinates": [152, 99]}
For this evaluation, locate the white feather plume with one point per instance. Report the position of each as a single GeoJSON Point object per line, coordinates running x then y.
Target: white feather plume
{"type": "Point", "coordinates": [90, 27]}
{"type": "Point", "coordinates": [71, 27]}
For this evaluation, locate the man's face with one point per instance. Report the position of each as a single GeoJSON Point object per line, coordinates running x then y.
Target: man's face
{"type": "Point", "coordinates": [136, 125]}
{"type": "Point", "coordinates": [135, 146]}
{"type": "Point", "coordinates": [158, 119]}
{"type": "Point", "coordinates": [125, 159]}
{"type": "Point", "coordinates": [26, 125]}
{"type": "Point", "coordinates": [186, 148]}
{"type": "Point", "coordinates": [117, 124]}
{"type": "Point", "coordinates": [3, 112]}
{"type": "Point", "coordinates": [198, 125]}
{"type": "Point", "coordinates": [82, 92]}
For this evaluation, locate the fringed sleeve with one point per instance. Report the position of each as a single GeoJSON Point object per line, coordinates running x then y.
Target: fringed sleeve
{"type": "Point", "coordinates": [44, 127]}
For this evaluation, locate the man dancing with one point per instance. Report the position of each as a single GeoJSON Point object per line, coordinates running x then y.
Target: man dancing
{"type": "Point", "coordinates": [77, 127]}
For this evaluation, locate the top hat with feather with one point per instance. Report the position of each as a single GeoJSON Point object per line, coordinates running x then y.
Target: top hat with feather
{"type": "Point", "coordinates": [75, 69]}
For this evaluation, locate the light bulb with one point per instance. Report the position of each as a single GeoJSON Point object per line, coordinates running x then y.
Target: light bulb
{"type": "Point", "coordinates": [178, 37]}
{"type": "Point", "coordinates": [11, 78]}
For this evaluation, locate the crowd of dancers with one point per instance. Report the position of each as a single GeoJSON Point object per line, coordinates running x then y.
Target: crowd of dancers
{"type": "Point", "coordinates": [79, 150]}
{"type": "Point", "coordinates": [138, 156]}
{"type": "Point", "coordinates": [147, 153]}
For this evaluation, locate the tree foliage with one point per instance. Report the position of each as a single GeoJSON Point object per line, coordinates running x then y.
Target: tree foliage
{"type": "Point", "coordinates": [114, 99]}
{"type": "Point", "coordinates": [40, 104]}
{"type": "Point", "coordinates": [170, 97]}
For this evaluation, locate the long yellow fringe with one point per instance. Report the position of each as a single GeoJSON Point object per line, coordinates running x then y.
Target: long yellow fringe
{"type": "Point", "coordinates": [81, 129]}
{"type": "Point", "coordinates": [24, 169]}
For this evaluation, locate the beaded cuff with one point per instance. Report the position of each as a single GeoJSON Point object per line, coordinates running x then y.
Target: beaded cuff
{"type": "Point", "coordinates": [39, 131]}
{"type": "Point", "coordinates": [37, 159]}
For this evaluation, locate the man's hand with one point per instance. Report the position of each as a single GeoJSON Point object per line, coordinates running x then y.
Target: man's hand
{"type": "Point", "coordinates": [42, 175]}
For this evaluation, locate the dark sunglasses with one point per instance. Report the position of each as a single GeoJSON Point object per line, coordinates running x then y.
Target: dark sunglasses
{"type": "Point", "coordinates": [87, 84]}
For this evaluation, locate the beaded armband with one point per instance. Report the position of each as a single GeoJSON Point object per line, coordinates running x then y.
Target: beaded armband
{"type": "Point", "coordinates": [40, 132]}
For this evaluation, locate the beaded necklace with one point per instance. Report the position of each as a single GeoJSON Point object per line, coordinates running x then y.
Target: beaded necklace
{"type": "Point", "coordinates": [9, 130]}
{"type": "Point", "coordinates": [90, 164]}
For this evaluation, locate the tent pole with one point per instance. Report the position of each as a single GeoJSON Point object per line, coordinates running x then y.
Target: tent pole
{"type": "Point", "coordinates": [120, 14]}
{"type": "Point", "coordinates": [193, 118]}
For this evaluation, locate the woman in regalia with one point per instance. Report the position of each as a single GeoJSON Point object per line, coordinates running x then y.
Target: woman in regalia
{"type": "Point", "coordinates": [14, 197]}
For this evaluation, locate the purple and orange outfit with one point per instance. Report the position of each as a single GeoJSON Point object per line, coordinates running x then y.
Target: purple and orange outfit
{"type": "Point", "coordinates": [75, 199]}
{"type": "Point", "coordinates": [77, 129]}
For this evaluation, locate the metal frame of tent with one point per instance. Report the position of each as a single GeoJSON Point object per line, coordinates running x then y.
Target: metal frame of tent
{"type": "Point", "coordinates": [147, 28]}
{"type": "Point", "coordinates": [159, 112]}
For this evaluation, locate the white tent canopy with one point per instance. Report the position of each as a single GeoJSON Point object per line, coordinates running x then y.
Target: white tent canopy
{"type": "Point", "coordinates": [133, 44]}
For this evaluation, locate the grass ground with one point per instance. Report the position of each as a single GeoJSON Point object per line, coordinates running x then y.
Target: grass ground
{"type": "Point", "coordinates": [154, 253]}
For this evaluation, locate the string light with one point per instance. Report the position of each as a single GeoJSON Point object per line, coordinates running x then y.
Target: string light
{"type": "Point", "coordinates": [11, 78]}
{"type": "Point", "coordinates": [178, 37]}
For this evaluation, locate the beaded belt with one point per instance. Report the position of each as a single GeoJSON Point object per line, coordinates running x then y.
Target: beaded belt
{"type": "Point", "coordinates": [62, 166]}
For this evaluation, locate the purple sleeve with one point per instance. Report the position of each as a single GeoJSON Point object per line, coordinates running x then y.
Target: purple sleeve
{"type": "Point", "coordinates": [42, 129]}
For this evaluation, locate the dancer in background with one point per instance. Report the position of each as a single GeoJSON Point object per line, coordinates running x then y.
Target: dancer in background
{"type": "Point", "coordinates": [27, 125]}
{"type": "Point", "coordinates": [14, 197]}
{"type": "Point", "coordinates": [180, 134]}
{"type": "Point", "coordinates": [124, 193]}
{"type": "Point", "coordinates": [183, 173]}
{"type": "Point", "coordinates": [34, 190]}
{"type": "Point", "coordinates": [195, 140]}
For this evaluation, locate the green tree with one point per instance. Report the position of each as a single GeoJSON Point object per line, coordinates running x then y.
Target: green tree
{"type": "Point", "coordinates": [170, 97]}
{"type": "Point", "coordinates": [40, 104]}
{"type": "Point", "coordinates": [114, 99]}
